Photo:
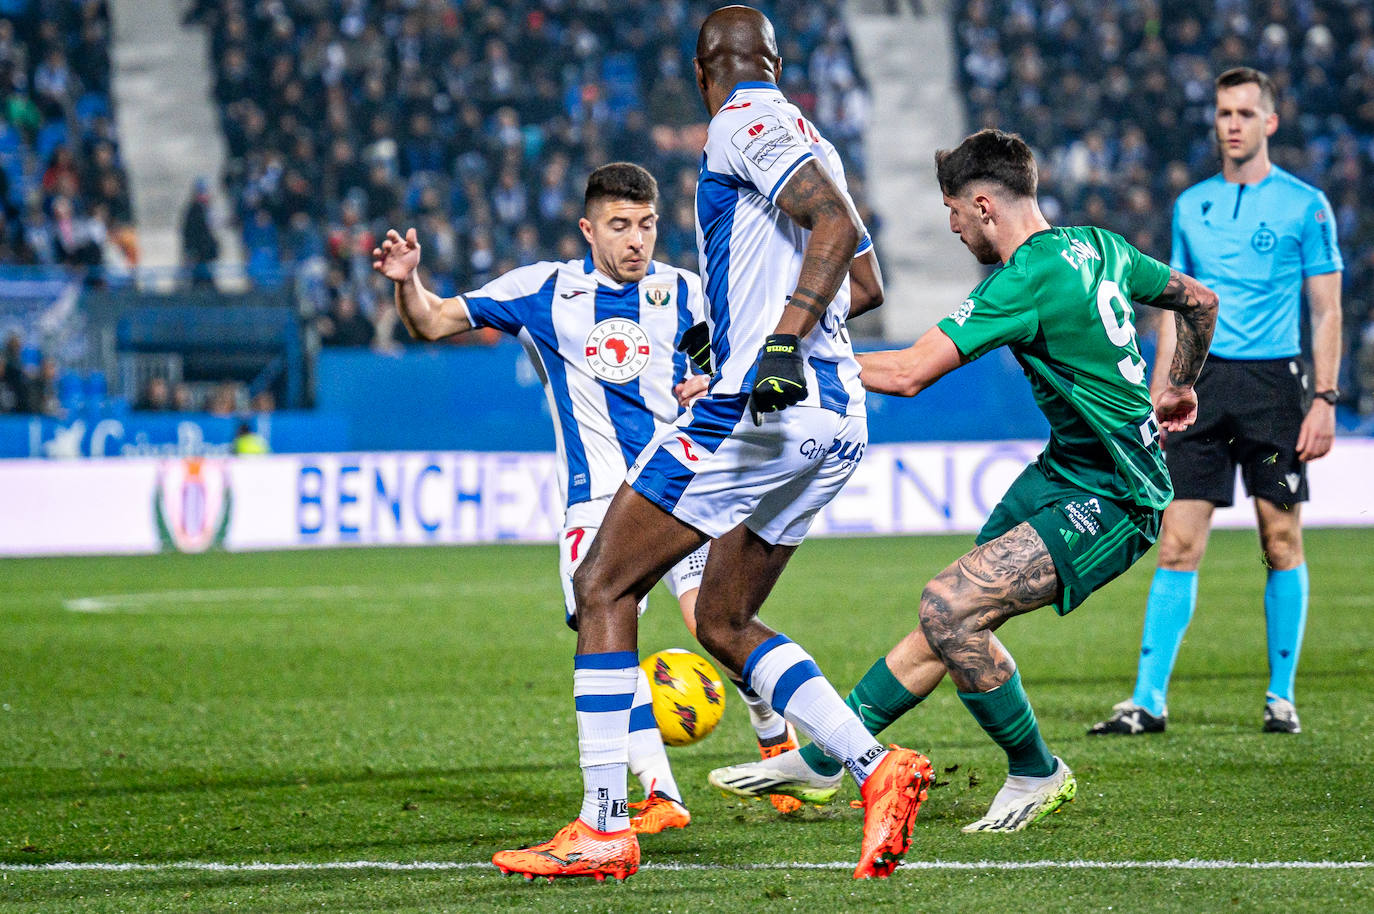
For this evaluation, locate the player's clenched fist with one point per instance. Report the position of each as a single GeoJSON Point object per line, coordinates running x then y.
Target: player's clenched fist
{"type": "Point", "coordinates": [397, 257]}
{"type": "Point", "coordinates": [779, 381]}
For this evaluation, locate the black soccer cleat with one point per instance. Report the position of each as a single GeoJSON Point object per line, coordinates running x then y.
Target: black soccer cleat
{"type": "Point", "coordinates": [1129, 719]}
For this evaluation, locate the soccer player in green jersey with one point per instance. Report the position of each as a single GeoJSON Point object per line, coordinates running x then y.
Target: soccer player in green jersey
{"type": "Point", "coordinates": [1078, 516]}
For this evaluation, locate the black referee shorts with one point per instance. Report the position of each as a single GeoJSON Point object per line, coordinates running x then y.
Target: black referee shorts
{"type": "Point", "coordinates": [1249, 415]}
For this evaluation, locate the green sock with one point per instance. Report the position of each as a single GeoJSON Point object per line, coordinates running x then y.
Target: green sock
{"type": "Point", "coordinates": [878, 699]}
{"type": "Point", "coordinates": [1006, 714]}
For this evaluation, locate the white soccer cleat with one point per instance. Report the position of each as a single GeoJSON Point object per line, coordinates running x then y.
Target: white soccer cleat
{"type": "Point", "coordinates": [1023, 801]}
{"type": "Point", "coordinates": [786, 774]}
{"type": "Point", "coordinates": [1280, 716]}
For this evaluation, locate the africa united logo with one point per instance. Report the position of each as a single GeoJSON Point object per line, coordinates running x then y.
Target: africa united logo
{"type": "Point", "coordinates": [617, 350]}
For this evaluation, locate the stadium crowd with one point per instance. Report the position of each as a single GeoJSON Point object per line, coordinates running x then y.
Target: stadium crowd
{"type": "Point", "coordinates": [478, 122]}
{"type": "Point", "coordinates": [64, 195]}
{"type": "Point", "coordinates": [1116, 99]}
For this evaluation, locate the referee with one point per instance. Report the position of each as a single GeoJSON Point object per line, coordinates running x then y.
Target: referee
{"type": "Point", "coordinates": [1261, 238]}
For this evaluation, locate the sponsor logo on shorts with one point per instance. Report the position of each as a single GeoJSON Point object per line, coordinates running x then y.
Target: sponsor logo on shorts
{"type": "Point", "coordinates": [1085, 516]}
{"type": "Point", "coordinates": [617, 350]}
{"type": "Point", "coordinates": [1264, 240]}
{"type": "Point", "coordinates": [844, 451]}
{"type": "Point", "coordinates": [687, 445]}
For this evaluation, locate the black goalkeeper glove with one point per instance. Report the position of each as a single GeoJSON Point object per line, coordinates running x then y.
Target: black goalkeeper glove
{"type": "Point", "coordinates": [779, 381]}
{"type": "Point", "coordinates": [696, 344]}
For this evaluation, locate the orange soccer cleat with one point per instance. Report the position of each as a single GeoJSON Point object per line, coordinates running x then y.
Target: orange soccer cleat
{"type": "Point", "coordinates": [782, 803]}
{"type": "Point", "coordinates": [657, 812]}
{"type": "Point", "coordinates": [577, 850]}
{"type": "Point", "coordinates": [892, 797]}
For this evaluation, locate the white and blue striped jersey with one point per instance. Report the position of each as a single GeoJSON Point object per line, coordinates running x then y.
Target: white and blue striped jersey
{"type": "Point", "coordinates": [605, 353]}
{"type": "Point", "coordinates": [751, 251]}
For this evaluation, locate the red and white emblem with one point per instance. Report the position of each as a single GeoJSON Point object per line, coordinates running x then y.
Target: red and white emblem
{"type": "Point", "coordinates": [617, 350]}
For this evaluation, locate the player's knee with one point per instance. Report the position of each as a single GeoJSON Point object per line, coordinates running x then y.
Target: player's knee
{"type": "Point", "coordinates": [589, 590]}
{"type": "Point", "coordinates": [1180, 551]}
{"type": "Point", "coordinates": [940, 623]}
{"type": "Point", "coordinates": [1282, 550]}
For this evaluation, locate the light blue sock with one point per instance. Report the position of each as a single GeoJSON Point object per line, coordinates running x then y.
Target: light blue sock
{"type": "Point", "coordinates": [1285, 619]}
{"type": "Point", "coordinates": [1173, 596]}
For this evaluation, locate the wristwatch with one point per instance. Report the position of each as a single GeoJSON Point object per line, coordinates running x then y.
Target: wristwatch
{"type": "Point", "coordinates": [1330, 396]}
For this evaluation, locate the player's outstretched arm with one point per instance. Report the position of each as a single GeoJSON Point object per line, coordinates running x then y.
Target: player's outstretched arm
{"type": "Point", "coordinates": [1195, 318]}
{"type": "Point", "coordinates": [425, 314]}
{"type": "Point", "coordinates": [865, 283]}
{"type": "Point", "coordinates": [907, 372]}
{"type": "Point", "coordinates": [1324, 303]}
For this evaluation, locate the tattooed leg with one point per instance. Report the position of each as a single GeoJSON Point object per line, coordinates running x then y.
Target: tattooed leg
{"type": "Point", "coordinates": [964, 604]}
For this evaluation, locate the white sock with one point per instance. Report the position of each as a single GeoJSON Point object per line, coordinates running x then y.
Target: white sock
{"type": "Point", "coordinates": [648, 758]}
{"type": "Point", "coordinates": [767, 723]}
{"type": "Point", "coordinates": [783, 673]}
{"type": "Point", "coordinates": [603, 691]}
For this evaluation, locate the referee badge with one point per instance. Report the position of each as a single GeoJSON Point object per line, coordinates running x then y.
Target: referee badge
{"type": "Point", "coordinates": [1264, 240]}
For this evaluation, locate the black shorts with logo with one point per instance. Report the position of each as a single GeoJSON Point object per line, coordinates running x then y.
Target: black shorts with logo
{"type": "Point", "coordinates": [1249, 415]}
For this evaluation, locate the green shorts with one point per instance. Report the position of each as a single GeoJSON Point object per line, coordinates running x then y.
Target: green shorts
{"type": "Point", "coordinates": [1092, 538]}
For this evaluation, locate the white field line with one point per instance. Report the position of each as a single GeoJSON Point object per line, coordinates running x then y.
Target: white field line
{"type": "Point", "coordinates": [141, 602]}
{"type": "Point", "coordinates": [440, 865]}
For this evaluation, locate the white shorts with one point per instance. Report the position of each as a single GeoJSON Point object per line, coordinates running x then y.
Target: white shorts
{"type": "Point", "coordinates": [715, 469]}
{"type": "Point", "coordinates": [579, 529]}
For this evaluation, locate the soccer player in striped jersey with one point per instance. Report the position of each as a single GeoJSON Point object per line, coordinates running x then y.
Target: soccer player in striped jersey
{"type": "Point", "coordinates": [747, 467]}
{"type": "Point", "coordinates": [600, 332]}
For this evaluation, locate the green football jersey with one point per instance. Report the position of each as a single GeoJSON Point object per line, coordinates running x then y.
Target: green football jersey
{"type": "Point", "coordinates": [1062, 304]}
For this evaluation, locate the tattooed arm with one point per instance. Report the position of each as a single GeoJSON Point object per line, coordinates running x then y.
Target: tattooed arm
{"type": "Point", "coordinates": [814, 202]}
{"type": "Point", "coordinates": [1182, 348]}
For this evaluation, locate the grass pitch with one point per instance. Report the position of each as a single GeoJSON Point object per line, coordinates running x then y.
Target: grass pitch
{"type": "Point", "coordinates": [308, 710]}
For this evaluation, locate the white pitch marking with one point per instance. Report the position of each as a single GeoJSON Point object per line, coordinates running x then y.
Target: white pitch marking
{"type": "Point", "coordinates": [442, 865]}
{"type": "Point", "coordinates": [141, 602]}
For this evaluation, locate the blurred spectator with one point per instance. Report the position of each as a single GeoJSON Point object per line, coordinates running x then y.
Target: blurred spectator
{"type": "Point", "coordinates": [199, 248]}
{"type": "Point", "coordinates": [223, 399]}
{"type": "Point", "coordinates": [155, 397]}
{"type": "Point", "coordinates": [345, 325]}
{"type": "Point", "coordinates": [183, 398]}
{"type": "Point", "coordinates": [43, 397]}
{"type": "Point", "coordinates": [14, 381]}
{"type": "Point", "coordinates": [248, 442]}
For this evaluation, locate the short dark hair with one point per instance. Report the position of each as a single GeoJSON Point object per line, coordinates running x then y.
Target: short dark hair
{"type": "Point", "coordinates": [620, 181]}
{"type": "Point", "coordinates": [1239, 76]}
{"type": "Point", "coordinates": [988, 155]}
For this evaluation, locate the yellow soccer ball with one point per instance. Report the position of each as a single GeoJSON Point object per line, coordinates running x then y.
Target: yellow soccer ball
{"type": "Point", "coordinates": [688, 695]}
